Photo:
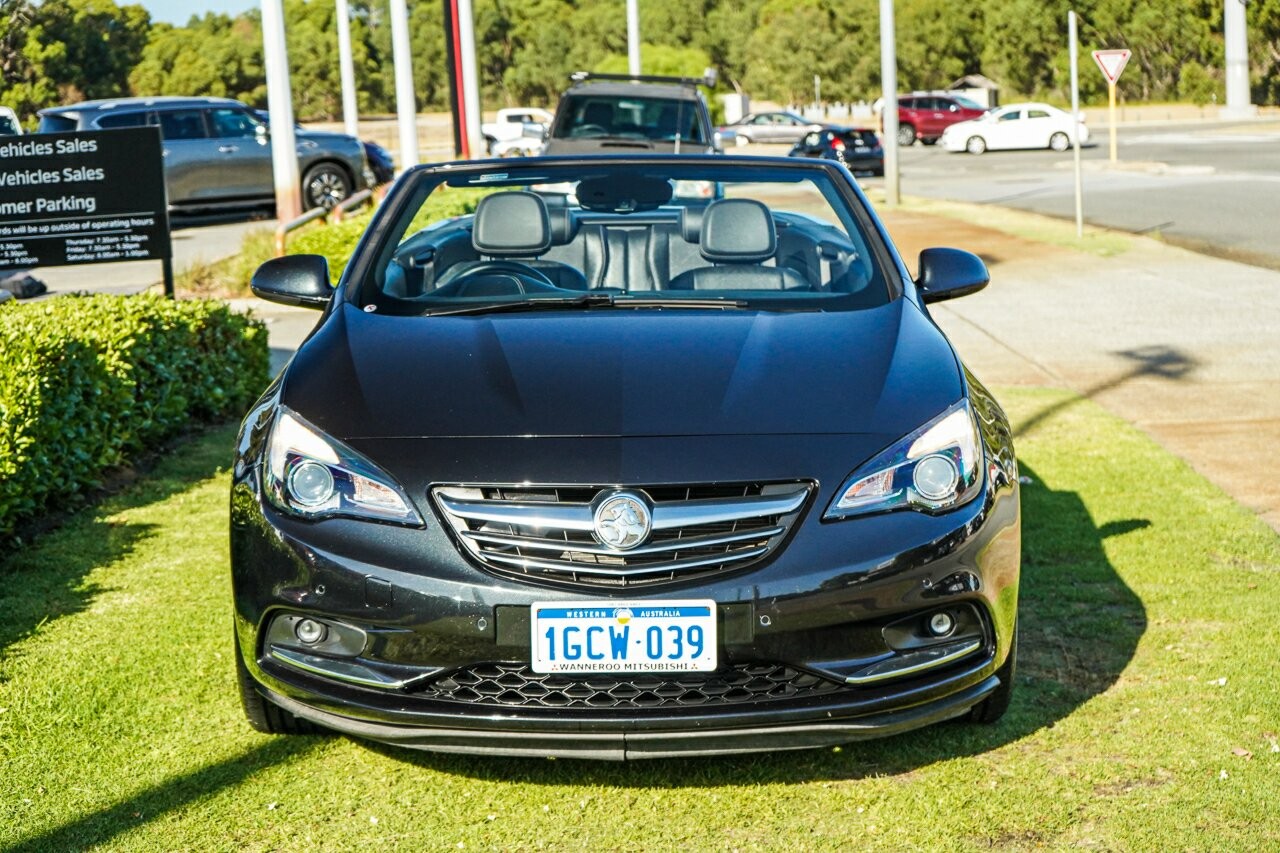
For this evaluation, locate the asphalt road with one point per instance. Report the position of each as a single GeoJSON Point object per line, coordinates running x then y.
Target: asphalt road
{"type": "Point", "coordinates": [1210, 186]}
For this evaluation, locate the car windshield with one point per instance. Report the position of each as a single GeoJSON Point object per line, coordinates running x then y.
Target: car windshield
{"type": "Point", "coordinates": [596, 115]}
{"type": "Point", "coordinates": [968, 104]}
{"type": "Point", "coordinates": [609, 233]}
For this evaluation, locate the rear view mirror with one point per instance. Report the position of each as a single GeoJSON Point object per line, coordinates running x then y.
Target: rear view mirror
{"type": "Point", "coordinates": [949, 273]}
{"type": "Point", "coordinates": [294, 280]}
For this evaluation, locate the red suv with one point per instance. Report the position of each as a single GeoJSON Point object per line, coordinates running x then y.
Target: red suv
{"type": "Point", "coordinates": [924, 117]}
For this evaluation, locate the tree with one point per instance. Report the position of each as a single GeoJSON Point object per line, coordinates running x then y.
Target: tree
{"type": "Point", "coordinates": [794, 40]}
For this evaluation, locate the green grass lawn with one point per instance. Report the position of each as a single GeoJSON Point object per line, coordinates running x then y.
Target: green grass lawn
{"type": "Point", "coordinates": [1146, 716]}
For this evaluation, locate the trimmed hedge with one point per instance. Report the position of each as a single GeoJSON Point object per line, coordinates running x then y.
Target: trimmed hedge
{"type": "Point", "coordinates": [87, 382]}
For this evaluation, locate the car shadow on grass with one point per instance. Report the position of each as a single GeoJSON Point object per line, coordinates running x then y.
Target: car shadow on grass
{"type": "Point", "coordinates": [1079, 624]}
{"type": "Point", "coordinates": [176, 793]}
{"type": "Point", "coordinates": [46, 579]}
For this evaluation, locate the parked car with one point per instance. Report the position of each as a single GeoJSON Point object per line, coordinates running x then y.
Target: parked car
{"type": "Point", "coordinates": [925, 116]}
{"type": "Point", "coordinates": [513, 125]}
{"type": "Point", "coordinates": [217, 152]}
{"type": "Point", "coordinates": [857, 148]}
{"type": "Point", "coordinates": [620, 114]}
{"type": "Point", "coordinates": [381, 164]}
{"type": "Point", "coordinates": [670, 476]}
{"type": "Point", "coordinates": [9, 124]}
{"type": "Point", "coordinates": [1016, 126]}
{"type": "Point", "coordinates": [766, 127]}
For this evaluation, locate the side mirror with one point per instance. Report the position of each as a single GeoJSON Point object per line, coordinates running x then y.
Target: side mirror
{"type": "Point", "coordinates": [294, 280]}
{"type": "Point", "coordinates": [948, 273]}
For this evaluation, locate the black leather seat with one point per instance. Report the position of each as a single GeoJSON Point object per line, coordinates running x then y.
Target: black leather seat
{"type": "Point", "coordinates": [736, 235]}
{"type": "Point", "coordinates": [516, 226]}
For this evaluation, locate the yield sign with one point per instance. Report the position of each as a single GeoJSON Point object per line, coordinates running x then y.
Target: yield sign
{"type": "Point", "coordinates": [1111, 62]}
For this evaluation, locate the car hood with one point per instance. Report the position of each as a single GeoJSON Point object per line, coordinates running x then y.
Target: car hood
{"type": "Point", "coordinates": [624, 373]}
{"type": "Point", "coordinates": [327, 138]}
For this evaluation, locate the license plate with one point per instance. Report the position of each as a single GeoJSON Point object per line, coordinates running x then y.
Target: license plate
{"type": "Point", "coordinates": [624, 636]}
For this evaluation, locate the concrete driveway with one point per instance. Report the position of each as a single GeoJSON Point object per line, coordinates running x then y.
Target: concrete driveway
{"type": "Point", "coordinates": [1183, 345]}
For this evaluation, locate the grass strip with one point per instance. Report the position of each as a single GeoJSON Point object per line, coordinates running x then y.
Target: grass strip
{"type": "Point", "coordinates": [1145, 718]}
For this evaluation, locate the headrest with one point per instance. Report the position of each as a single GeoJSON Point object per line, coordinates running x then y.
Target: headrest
{"type": "Point", "coordinates": [564, 225]}
{"type": "Point", "coordinates": [511, 224]}
{"type": "Point", "coordinates": [691, 223]}
{"type": "Point", "coordinates": [737, 231]}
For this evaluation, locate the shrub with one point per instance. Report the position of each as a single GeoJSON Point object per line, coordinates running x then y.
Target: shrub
{"type": "Point", "coordinates": [87, 382]}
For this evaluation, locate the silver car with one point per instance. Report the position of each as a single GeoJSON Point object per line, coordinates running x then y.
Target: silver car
{"type": "Point", "coordinates": [217, 152]}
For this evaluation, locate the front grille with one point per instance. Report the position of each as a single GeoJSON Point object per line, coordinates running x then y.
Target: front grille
{"type": "Point", "coordinates": [513, 685]}
{"type": "Point", "coordinates": [547, 533]}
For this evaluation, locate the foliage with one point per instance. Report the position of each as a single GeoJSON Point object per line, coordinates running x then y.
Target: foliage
{"type": "Point", "coordinates": [86, 383]}
{"type": "Point", "coordinates": [228, 278]}
{"type": "Point", "coordinates": [60, 51]}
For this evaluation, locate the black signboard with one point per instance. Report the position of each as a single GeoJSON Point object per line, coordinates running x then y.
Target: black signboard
{"type": "Point", "coordinates": [83, 198]}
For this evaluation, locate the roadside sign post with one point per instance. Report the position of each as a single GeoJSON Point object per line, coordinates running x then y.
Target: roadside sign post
{"type": "Point", "coordinates": [1073, 49]}
{"type": "Point", "coordinates": [1112, 63]}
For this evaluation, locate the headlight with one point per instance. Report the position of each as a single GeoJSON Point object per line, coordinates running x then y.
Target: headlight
{"type": "Point", "coordinates": [935, 468]}
{"type": "Point", "coordinates": [312, 475]}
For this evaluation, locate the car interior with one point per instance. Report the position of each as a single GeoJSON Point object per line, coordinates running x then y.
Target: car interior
{"type": "Point", "coordinates": [641, 241]}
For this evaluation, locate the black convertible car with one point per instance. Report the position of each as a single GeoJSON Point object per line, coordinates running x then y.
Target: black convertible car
{"type": "Point", "coordinates": [649, 456]}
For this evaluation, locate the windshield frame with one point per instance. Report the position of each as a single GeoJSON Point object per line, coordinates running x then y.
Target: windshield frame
{"type": "Point", "coordinates": [375, 248]}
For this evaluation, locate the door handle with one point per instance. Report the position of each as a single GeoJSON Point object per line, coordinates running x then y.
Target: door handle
{"type": "Point", "coordinates": [228, 149]}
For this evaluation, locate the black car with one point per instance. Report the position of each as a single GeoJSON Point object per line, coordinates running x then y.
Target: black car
{"type": "Point", "coordinates": [624, 114]}
{"type": "Point", "coordinates": [857, 148]}
{"type": "Point", "coordinates": [605, 472]}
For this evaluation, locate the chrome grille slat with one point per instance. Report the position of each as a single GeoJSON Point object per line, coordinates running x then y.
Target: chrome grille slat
{"type": "Point", "coordinates": [679, 544]}
{"type": "Point", "coordinates": [538, 532]}
{"type": "Point", "coordinates": [672, 566]}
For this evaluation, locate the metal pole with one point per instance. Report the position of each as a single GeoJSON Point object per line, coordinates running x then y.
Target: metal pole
{"type": "Point", "coordinates": [284, 148]}
{"type": "Point", "coordinates": [1073, 48]}
{"type": "Point", "coordinates": [889, 114]}
{"type": "Point", "coordinates": [1236, 41]}
{"type": "Point", "coordinates": [1111, 115]}
{"type": "Point", "coordinates": [633, 37]}
{"type": "Point", "coordinates": [406, 104]}
{"type": "Point", "coordinates": [347, 71]}
{"type": "Point", "coordinates": [470, 77]}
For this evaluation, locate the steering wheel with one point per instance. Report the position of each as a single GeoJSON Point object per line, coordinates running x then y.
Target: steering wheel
{"type": "Point", "coordinates": [497, 278]}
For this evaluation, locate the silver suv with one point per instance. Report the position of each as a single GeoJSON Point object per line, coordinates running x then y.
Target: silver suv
{"type": "Point", "coordinates": [217, 153]}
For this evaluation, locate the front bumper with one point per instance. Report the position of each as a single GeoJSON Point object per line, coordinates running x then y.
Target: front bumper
{"type": "Point", "coordinates": [692, 740]}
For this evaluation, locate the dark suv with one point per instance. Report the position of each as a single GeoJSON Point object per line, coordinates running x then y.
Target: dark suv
{"type": "Point", "coordinates": [925, 116]}
{"type": "Point", "coordinates": [618, 113]}
{"type": "Point", "coordinates": [217, 152]}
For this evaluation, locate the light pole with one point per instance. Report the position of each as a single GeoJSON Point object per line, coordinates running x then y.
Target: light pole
{"type": "Point", "coordinates": [346, 70]}
{"type": "Point", "coordinates": [406, 104]}
{"type": "Point", "coordinates": [633, 38]}
{"type": "Point", "coordinates": [1236, 38]}
{"type": "Point", "coordinates": [889, 113]}
{"type": "Point", "coordinates": [284, 148]}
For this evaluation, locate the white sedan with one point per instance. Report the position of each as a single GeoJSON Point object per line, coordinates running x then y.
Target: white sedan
{"type": "Point", "coordinates": [1015, 126]}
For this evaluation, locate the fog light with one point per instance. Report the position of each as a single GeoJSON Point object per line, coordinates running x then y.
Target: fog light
{"type": "Point", "coordinates": [940, 624]}
{"type": "Point", "coordinates": [310, 631]}
{"type": "Point", "coordinates": [311, 483]}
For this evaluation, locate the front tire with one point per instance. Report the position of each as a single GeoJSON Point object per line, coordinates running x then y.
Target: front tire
{"type": "Point", "coordinates": [1059, 142]}
{"type": "Point", "coordinates": [324, 185]}
{"type": "Point", "coordinates": [263, 715]}
{"type": "Point", "coordinates": [976, 145]}
{"type": "Point", "coordinates": [906, 135]}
